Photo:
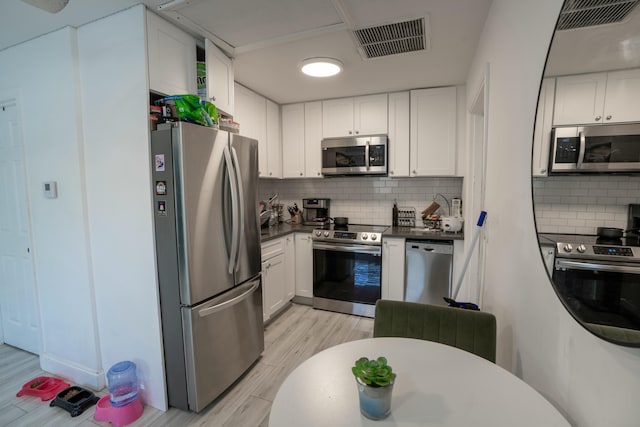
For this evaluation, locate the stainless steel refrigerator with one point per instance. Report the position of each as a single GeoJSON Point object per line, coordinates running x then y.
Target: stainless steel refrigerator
{"type": "Point", "coordinates": [205, 184]}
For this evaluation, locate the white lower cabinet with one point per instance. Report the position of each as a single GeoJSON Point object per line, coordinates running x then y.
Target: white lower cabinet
{"type": "Point", "coordinates": [393, 268]}
{"type": "Point", "coordinates": [304, 265]}
{"type": "Point", "coordinates": [274, 276]}
{"type": "Point", "coordinates": [290, 267]}
{"type": "Point", "coordinates": [273, 280]}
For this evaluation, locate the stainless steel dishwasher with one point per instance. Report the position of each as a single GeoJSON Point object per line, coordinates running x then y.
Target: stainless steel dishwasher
{"type": "Point", "coordinates": [429, 266]}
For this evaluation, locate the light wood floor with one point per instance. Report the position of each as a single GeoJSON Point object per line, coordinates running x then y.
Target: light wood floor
{"type": "Point", "coordinates": [294, 336]}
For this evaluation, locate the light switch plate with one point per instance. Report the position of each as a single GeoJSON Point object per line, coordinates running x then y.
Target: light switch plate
{"type": "Point", "coordinates": [50, 189]}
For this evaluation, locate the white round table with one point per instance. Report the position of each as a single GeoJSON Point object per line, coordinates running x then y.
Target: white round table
{"type": "Point", "coordinates": [436, 385]}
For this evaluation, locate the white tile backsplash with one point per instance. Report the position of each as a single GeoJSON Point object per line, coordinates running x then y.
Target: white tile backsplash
{"type": "Point", "coordinates": [581, 204]}
{"type": "Point", "coordinates": [365, 200]}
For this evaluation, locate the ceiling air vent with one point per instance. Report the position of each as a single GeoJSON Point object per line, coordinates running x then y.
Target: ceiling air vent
{"type": "Point", "coordinates": [588, 13]}
{"type": "Point", "coordinates": [392, 39]}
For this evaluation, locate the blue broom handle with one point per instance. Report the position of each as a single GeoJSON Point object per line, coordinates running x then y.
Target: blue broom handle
{"type": "Point", "coordinates": [476, 235]}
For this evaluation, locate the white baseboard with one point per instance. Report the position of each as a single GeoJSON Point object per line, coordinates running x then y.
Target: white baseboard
{"type": "Point", "coordinates": [73, 372]}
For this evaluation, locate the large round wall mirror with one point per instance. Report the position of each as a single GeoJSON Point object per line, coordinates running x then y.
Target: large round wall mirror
{"type": "Point", "coordinates": [586, 166]}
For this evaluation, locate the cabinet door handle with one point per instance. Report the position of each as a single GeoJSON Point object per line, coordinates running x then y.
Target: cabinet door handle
{"type": "Point", "coordinates": [608, 117]}
{"type": "Point", "coordinates": [300, 173]}
{"type": "Point", "coordinates": [357, 132]}
{"type": "Point", "coordinates": [350, 132]}
{"type": "Point", "coordinates": [598, 118]}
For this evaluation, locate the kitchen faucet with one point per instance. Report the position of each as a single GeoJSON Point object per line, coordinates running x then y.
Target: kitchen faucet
{"type": "Point", "coordinates": [445, 199]}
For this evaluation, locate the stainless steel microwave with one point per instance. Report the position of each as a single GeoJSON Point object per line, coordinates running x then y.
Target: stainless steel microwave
{"type": "Point", "coordinates": [595, 149]}
{"type": "Point", "coordinates": [362, 155]}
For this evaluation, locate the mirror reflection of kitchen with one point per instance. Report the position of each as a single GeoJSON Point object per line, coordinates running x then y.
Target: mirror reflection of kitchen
{"type": "Point", "coordinates": [586, 166]}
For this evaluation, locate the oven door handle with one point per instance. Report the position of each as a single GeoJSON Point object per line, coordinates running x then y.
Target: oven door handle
{"type": "Point", "coordinates": [367, 249]}
{"type": "Point", "coordinates": [582, 265]}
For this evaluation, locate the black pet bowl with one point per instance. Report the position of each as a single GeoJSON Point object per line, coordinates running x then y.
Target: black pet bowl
{"type": "Point", "coordinates": [74, 400]}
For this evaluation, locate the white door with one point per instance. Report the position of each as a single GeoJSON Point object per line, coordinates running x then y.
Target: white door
{"type": "Point", "coordinates": [18, 305]}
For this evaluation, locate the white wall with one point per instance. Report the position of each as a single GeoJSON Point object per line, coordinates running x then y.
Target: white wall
{"type": "Point", "coordinates": [593, 382]}
{"type": "Point", "coordinates": [84, 97]}
{"type": "Point", "coordinates": [44, 72]}
{"type": "Point", "coordinates": [116, 110]}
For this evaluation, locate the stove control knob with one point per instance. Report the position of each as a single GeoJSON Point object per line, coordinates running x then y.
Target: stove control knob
{"type": "Point", "coordinates": [365, 236]}
{"type": "Point", "coordinates": [581, 248]}
{"type": "Point", "coordinates": [567, 248]}
{"type": "Point", "coordinates": [374, 237]}
{"type": "Point", "coordinates": [326, 234]}
{"type": "Point", "coordinates": [318, 233]}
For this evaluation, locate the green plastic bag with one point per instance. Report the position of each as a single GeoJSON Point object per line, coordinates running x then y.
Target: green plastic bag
{"type": "Point", "coordinates": [191, 109]}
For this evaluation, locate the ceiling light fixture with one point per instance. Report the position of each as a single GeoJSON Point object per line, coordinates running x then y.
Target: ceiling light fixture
{"type": "Point", "coordinates": [321, 67]}
{"type": "Point", "coordinates": [51, 6]}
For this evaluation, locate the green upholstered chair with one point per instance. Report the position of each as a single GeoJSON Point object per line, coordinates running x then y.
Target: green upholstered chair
{"type": "Point", "coordinates": [469, 330]}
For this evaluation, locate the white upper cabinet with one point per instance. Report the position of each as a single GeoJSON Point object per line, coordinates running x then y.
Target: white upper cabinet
{"type": "Point", "coordinates": [399, 134]}
{"type": "Point", "coordinates": [259, 118]}
{"type": "Point", "coordinates": [337, 118]}
{"type": "Point", "coordinates": [542, 132]}
{"type": "Point", "coordinates": [622, 98]}
{"type": "Point", "coordinates": [433, 132]}
{"type": "Point", "coordinates": [596, 98]}
{"type": "Point", "coordinates": [293, 153]}
{"type": "Point", "coordinates": [362, 115]}
{"type": "Point", "coordinates": [219, 78]}
{"type": "Point", "coordinates": [579, 99]}
{"type": "Point", "coordinates": [172, 58]}
{"type": "Point", "coordinates": [301, 137]}
{"type": "Point", "coordinates": [312, 139]}
{"type": "Point", "coordinates": [274, 140]}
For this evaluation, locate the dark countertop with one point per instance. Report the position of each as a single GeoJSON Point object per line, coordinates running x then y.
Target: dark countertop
{"type": "Point", "coordinates": [422, 234]}
{"type": "Point", "coordinates": [282, 229]}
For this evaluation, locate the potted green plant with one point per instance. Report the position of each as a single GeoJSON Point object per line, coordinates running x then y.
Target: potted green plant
{"type": "Point", "coordinates": [375, 384]}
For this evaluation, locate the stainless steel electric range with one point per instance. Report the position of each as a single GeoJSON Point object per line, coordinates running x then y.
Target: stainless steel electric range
{"type": "Point", "coordinates": [347, 268]}
{"type": "Point", "coordinates": [599, 279]}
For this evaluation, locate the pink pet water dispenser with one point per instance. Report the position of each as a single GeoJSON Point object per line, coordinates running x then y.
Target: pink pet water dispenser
{"type": "Point", "coordinates": [122, 406]}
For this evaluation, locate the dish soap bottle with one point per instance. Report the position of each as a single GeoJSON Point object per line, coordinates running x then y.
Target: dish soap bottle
{"type": "Point", "coordinates": [394, 214]}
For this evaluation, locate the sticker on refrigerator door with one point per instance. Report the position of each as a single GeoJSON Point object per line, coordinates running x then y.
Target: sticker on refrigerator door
{"type": "Point", "coordinates": [161, 188]}
{"type": "Point", "coordinates": [159, 162]}
{"type": "Point", "coordinates": [162, 207]}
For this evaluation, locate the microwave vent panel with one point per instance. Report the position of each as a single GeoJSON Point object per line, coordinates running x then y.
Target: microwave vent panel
{"type": "Point", "coordinates": [589, 13]}
{"type": "Point", "coordinates": [393, 39]}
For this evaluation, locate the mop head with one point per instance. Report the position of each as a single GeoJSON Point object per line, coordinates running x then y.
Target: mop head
{"type": "Point", "coordinates": [466, 305]}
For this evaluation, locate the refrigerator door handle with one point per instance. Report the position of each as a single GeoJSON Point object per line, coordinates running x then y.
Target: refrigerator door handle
{"type": "Point", "coordinates": [235, 225]}
{"type": "Point", "coordinates": [231, 302]}
{"type": "Point", "coordinates": [240, 187]}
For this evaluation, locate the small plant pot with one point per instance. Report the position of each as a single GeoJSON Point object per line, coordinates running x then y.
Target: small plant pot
{"type": "Point", "coordinates": [375, 402]}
